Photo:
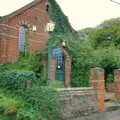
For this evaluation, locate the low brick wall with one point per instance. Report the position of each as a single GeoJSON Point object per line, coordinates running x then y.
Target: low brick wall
{"type": "Point", "coordinates": [76, 102]}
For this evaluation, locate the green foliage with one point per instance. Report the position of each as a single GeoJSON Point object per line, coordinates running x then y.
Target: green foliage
{"type": "Point", "coordinates": [31, 64]}
{"type": "Point", "coordinates": [14, 80]}
{"type": "Point", "coordinates": [44, 100]}
{"type": "Point", "coordinates": [108, 57]}
{"type": "Point", "coordinates": [35, 64]}
{"type": "Point", "coordinates": [106, 34]}
{"type": "Point", "coordinates": [37, 68]}
{"type": "Point", "coordinates": [22, 64]}
{"type": "Point", "coordinates": [61, 21]}
{"type": "Point", "coordinates": [3, 68]}
{"type": "Point", "coordinates": [37, 103]}
{"type": "Point", "coordinates": [9, 105]}
{"type": "Point", "coordinates": [110, 78]}
{"type": "Point", "coordinates": [41, 81]}
{"type": "Point", "coordinates": [84, 57]}
{"type": "Point", "coordinates": [26, 114]}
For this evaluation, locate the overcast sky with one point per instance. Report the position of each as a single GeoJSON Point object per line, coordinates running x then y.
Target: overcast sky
{"type": "Point", "coordinates": [81, 13]}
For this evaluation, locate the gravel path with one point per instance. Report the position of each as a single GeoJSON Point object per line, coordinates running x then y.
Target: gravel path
{"type": "Point", "coordinates": [113, 115]}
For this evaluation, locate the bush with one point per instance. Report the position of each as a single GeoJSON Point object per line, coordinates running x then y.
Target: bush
{"type": "Point", "coordinates": [9, 105]}
{"type": "Point", "coordinates": [42, 81]}
{"type": "Point", "coordinates": [110, 78]}
{"type": "Point", "coordinates": [84, 57]}
{"type": "Point", "coordinates": [44, 100]}
{"type": "Point", "coordinates": [3, 67]}
{"type": "Point", "coordinates": [26, 114]}
{"type": "Point", "coordinates": [14, 80]}
{"type": "Point", "coordinates": [31, 63]}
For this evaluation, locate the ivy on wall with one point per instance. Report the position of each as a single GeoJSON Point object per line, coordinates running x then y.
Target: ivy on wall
{"type": "Point", "coordinates": [61, 21]}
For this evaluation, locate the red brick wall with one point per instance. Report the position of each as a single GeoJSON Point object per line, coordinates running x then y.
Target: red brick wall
{"type": "Point", "coordinates": [35, 15]}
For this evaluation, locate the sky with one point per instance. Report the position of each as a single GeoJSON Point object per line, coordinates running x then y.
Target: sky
{"type": "Point", "coordinates": [81, 13]}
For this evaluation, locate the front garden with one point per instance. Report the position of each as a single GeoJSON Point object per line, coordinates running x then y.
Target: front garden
{"type": "Point", "coordinates": [25, 94]}
{"type": "Point", "coordinates": [18, 101]}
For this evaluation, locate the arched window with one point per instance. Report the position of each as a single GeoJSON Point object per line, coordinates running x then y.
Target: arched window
{"type": "Point", "coordinates": [22, 39]}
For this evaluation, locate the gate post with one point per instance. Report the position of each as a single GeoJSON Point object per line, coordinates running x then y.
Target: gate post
{"type": "Point", "coordinates": [97, 82]}
{"type": "Point", "coordinates": [52, 69]}
{"type": "Point", "coordinates": [117, 83]}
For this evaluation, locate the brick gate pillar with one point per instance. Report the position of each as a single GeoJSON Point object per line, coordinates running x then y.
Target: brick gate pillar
{"type": "Point", "coordinates": [117, 83]}
{"type": "Point", "coordinates": [52, 69]}
{"type": "Point", "coordinates": [67, 72]}
{"type": "Point", "coordinates": [67, 69]}
{"type": "Point", "coordinates": [97, 82]}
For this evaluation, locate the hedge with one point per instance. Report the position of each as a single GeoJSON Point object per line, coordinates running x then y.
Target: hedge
{"type": "Point", "coordinates": [14, 80]}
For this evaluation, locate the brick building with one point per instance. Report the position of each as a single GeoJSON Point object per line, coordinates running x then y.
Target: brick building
{"type": "Point", "coordinates": [22, 27]}
{"type": "Point", "coordinates": [26, 29]}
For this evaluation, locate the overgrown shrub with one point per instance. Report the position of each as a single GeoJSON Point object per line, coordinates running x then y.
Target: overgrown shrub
{"type": "Point", "coordinates": [9, 105]}
{"type": "Point", "coordinates": [3, 68]}
{"type": "Point", "coordinates": [14, 80]}
{"type": "Point", "coordinates": [35, 64]}
{"type": "Point", "coordinates": [84, 57]}
{"type": "Point", "coordinates": [44, 100]}
{"type": "Point", "coordinates": [37, 103]}
{"type": "Point", "coordinates": [26, 114]}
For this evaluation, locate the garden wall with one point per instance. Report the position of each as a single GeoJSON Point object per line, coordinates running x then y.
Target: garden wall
{"type": "Point", "coordinates": [76, 102]}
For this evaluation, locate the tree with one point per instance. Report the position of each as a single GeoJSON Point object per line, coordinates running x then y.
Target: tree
{"type": "Point", "coordinates": [106, 33]}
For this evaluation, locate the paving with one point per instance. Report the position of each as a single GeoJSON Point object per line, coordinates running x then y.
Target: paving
{"type": "Point", "coordinates": [113, 115]}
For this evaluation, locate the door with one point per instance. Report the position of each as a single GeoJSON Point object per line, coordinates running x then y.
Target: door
{"type": "Point", "coordinates": [60, 63]}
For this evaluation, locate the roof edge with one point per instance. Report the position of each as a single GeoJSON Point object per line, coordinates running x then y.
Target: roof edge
{"type": "Point", "coordinates": [18, 11]}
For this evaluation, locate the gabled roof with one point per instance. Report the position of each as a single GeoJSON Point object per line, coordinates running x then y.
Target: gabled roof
{"type": "Point", "coordinates": [20, 10]}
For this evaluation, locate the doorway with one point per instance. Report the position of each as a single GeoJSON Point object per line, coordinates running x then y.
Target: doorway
{"type": "Point", "coordinates": [58, 55]}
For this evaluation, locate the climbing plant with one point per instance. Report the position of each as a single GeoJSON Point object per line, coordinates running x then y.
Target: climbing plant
{"type": "Point", "coordinates": [61, 21]}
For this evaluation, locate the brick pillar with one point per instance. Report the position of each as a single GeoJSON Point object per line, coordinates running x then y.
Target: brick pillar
{"type": "Point", "coordinates": [117, 83]}
{"type": "Point", "coordinates": [52, 69]}
{"type": "Point", "coordinates": [97, 82]}
{"type": "Point", "coordinates": [67, 71]}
